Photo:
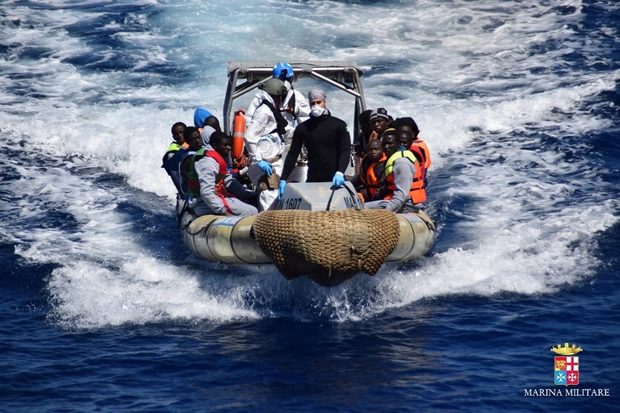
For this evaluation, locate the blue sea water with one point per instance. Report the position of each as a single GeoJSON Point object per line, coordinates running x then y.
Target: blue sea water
{"type": "Point", "coordinates": [103, 308]}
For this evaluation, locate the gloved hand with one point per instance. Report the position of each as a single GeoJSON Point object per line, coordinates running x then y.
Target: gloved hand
{"type": "Point", "coordinates": [265, 167]}
{"type": "Point", "coordinates": [338, 180]}
{"type": "Point", "coordinates": [281, 187]}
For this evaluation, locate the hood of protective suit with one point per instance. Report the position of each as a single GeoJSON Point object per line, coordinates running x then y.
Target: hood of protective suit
{"type": "Point", "coordinates": [200, 115]}
{"type": "Point", "coordinates": [261, 94]}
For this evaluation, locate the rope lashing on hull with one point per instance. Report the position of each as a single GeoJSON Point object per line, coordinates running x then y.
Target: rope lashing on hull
{"type": "Point", "coordinates": [327, 244]}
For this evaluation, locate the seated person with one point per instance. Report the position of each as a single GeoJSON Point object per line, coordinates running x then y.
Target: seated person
{"type": "Point", "coordinates": [206, 123]}
{"type": "Point", "coordinates": [211, 187]}
{"type": "Point", "coordinates": [361, 140]}
{"type": "Point", "coordinates": [184, 157]}
{"type": "Point", "coordinates": [370, 182]}
{"type": "Point", "coordinates": [372, 124]}
{"type": "Point", "coordinates": [170, 162]}
{"type": "Point", "coordinates": [379, 121]}
{"type": "Point", "coordinates": [403, 183]}
{"type": "Point", "coordinates": [178, 140]}
{"type": "Point", "coordinates": [409, 125]}
{"type": "Point", "coordinates": [418, 146]}
{"type": "Point", "coordinates": [203, 117]}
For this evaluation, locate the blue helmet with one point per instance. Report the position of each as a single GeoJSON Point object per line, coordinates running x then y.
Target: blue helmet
{"type": "Point", "coordinates": [283, 71]}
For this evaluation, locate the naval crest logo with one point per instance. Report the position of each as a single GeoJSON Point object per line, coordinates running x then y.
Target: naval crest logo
{"type": "Point", "coordinates": [566, 365]}
{"type": "Point", "coordinates": [566, 373]}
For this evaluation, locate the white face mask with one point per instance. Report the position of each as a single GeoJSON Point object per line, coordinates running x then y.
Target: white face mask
{"type": "Point", "coordinates": [317, 110]}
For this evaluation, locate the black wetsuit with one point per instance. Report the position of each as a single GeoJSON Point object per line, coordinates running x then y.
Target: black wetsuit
{"type": "Point", "coordinates": [329, 148]}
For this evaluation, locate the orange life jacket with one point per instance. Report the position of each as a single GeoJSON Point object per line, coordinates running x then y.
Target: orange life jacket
{"type": "Point", "coordinates": [416, 191]}
{"type": "Point", "coordinates": [372, 175]}
{"type": "Point", "coordinates": [421, 152]}
{"type": "Point", "coordinates": [426, 153]}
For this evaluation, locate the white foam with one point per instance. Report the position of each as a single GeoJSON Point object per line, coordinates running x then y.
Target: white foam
{"type": "Point", "coordinates": [106, 277]}
{"type": "Point", "coordinates": [141, 291]}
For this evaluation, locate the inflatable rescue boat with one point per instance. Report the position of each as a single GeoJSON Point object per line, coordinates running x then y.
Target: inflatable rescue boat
{"type": "Point", "coordinates": [327, 235]}
{"type": "Point", "coordinates": [312, 231]}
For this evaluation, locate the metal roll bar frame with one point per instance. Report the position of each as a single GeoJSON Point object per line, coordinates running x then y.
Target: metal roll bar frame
{"type": "Point", "coordinates": [341, 75]}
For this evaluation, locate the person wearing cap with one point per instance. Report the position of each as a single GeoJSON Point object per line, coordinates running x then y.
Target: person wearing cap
{"type": "Point", "coordinates": [379, 122]}
{"type": "Point", "coordinates": [263, 140]}
{"type": "Point", "coordinates": [372, 124]}
{"type": "Point", "coordinates": [327, 141]}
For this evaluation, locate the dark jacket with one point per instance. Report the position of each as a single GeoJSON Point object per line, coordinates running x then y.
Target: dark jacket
{"type": "Point", "coordinates": [329, 148]}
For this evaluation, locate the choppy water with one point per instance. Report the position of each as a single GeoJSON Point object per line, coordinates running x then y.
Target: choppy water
{"type": "Point", "coordinates": [104, 310]}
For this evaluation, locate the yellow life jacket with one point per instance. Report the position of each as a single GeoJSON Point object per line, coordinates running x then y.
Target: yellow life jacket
{"type": "Point", "coordinates": [416, 191]}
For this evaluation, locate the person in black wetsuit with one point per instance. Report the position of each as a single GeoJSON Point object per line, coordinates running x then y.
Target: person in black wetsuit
{"type": "Point", "coordinates": [328, 143]}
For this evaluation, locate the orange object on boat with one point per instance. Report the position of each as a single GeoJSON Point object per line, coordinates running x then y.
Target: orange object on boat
{"type": "Point", "coordinates": [238, 134]}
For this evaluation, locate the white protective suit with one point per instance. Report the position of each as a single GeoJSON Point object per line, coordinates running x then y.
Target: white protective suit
{"type": "Point", "coordinates": [261, 122]}
{"type": "Point", "coordinates": [299, 115]}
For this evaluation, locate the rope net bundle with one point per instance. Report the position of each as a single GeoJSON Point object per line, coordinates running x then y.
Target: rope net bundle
{"type": "Point", "coordinates": [327, 245]}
